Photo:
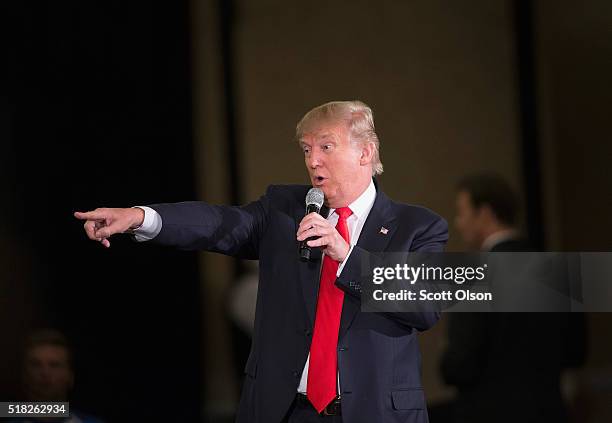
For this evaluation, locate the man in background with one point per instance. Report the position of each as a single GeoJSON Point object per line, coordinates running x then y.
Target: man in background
{"type": "Point", "coordinates": [506, 366]}
{"type": "Point", "coordinates": [48, 374]}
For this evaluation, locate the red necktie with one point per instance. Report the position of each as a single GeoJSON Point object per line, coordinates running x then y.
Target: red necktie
{"type": "Point", "coordinates": [323, 364]}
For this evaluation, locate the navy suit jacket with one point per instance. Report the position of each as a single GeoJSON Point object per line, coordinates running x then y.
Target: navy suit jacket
{"type": "Point", "coordinates": [378, 357]}
{"type": "Point", "coordinates": [499, 360]}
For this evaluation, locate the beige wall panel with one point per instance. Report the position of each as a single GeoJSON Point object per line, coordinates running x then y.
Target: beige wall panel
{"type": "Point", "coordinates": [439, 76]}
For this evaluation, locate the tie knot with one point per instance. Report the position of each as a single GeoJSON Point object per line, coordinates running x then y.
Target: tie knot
{"type": "Point", "coordinates": [344, 212]}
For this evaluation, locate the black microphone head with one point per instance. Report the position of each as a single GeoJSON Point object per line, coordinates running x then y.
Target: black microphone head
{"type": "Point", "coordinates": [315, 197]}
{"type": "Point", "coordinates": [314, 201]}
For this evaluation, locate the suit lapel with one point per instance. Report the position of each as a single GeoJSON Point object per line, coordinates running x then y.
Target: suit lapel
{"type": "Point", "coordinates": [375, 235]}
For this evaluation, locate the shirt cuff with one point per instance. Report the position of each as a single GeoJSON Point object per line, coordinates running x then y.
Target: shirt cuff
{"type": "Point", "coordinates": [341, 266]}
{"type": "Point", "coordinates": [151, 225]}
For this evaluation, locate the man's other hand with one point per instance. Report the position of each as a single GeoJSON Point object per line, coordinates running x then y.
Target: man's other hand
{"type": "Point", "coordinates": [101, 223]}
{"type": "Point", "coordinates": [330, 240]}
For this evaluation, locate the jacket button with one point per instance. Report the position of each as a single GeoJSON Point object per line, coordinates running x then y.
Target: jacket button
{"type": "Point", "coordinates": [307, 332]}
{"type": "Point", "coordinates": [295, 374]}
{"type": "Point", "coordinates": [342, 349]}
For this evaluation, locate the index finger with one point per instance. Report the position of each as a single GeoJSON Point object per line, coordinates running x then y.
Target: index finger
{"type": "Point", "coordinates": [310, 220]}
{"type": "Point", "coordinates": [306, 222]}
{"type": "Point", "coordinates": [90, 215]}
{"type": "Point", "coordinates": [312, 217]}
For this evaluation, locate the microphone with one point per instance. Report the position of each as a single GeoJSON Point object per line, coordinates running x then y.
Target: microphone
{"type": "Point", "coordinates": [314, 202]}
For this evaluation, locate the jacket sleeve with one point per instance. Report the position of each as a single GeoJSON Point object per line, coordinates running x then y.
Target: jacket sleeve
{"type": "Point", "coordinates": [230, 230]}
{"type": "Point", "coordinates": [353, 277]}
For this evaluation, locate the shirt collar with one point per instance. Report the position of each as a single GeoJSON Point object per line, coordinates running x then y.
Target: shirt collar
{"type": "Point", "coordinates": [363, 204]}
{"type": "Point", "coordinates": [498, 237]}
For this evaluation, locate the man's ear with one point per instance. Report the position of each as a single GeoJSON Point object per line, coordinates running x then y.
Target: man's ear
{"type": "Point", "coordinates": [487, 212]}
{"type": "Point", "coordinates": [367, 153]}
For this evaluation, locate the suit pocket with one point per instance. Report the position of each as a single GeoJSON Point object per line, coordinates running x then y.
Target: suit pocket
{"type": "Point", "coordinates": [408, 399]}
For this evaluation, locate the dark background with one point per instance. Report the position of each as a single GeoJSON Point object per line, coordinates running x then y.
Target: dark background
{"type": "Point", "coordinates": [96, 93]}
{"type": "Point", "coordinates": [128, 103]}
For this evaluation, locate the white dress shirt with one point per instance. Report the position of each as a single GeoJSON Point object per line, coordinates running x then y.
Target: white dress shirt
{"type": "Point", "coordinates": [152, 224]}
{"type": "Point", "coordinates": [497, 238]}
{"type": "Point", "coordinates": [361, 209]}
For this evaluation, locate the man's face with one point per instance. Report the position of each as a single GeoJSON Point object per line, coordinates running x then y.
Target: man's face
{"type": "Point", "coordinates": [48, 376]}
{"type": "Point", "coordinates": [468, 221]}
{"type": "Point", "coordinates": [334, 164]}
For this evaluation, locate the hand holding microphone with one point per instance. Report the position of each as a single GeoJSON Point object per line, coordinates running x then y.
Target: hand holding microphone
{"type": "Point", "coordinates": [316, 231]}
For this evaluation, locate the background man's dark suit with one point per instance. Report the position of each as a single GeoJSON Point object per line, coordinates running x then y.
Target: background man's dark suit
{"type": "Point", "coordinates": [378, 356]}
{"type": "Point", "coordinates": [507, 366]}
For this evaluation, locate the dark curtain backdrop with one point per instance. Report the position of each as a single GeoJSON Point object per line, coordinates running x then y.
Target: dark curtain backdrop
{"type": "Point", "coordinates": [96, 111]}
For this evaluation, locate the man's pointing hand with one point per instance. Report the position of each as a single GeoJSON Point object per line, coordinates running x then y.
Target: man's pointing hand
{"type": "Point", "coordinates": [101, 223]}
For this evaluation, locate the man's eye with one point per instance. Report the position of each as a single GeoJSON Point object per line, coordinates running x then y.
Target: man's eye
{"type": "Point", "coordinates": [306, 150]}
{"type": "Point", "coordinates": [327, 147]}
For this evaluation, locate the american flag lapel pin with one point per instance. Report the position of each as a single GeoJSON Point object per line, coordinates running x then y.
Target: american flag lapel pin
{"type": "Point", "coordinates": [384, 230]}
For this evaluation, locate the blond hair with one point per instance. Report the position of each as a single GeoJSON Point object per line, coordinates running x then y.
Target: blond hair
{"type": "Point", "coordinates": [359, 119]}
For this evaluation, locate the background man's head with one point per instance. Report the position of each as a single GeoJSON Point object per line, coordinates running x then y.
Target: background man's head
{"type": "Point", "coordinates": [47, 373]}
{"type": "Point", "coordinates": [341, 149]}
{"type": "Point", "coordinates": [485, 204]}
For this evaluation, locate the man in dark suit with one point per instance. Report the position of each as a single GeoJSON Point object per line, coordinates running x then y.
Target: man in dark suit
{"type": "Point", "coordinates": [506, 366]}
{"type": "Point", "coordinates": [315, 356]}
